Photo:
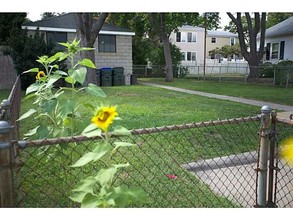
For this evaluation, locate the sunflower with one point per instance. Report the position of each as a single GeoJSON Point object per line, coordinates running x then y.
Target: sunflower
{"type": "Point", "coordinates": [40, 75]}
{"type": "Point", "coordinates": [104, 117]}
{"type": "Point", "coordinates": [287, 150]}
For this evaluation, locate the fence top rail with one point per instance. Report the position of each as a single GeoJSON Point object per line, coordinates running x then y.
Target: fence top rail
{"type": "Point", "coordinates": [285, 121]}
{"type": "Point", "coordinates": [65, 140]}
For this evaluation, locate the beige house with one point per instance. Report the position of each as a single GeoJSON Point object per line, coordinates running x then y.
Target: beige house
{"type": "Point", "coordinates": [219, 39]}
{"type": "Point", "coordinates": [113, 46]}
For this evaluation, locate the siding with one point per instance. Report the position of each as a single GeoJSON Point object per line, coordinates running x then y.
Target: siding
{"type": "Point", "coordinates": [288, 52]}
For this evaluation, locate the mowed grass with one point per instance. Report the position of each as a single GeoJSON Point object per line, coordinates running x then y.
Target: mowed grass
{"type": "Point", "coordinates": [142, 107]}
{"type": "Point", "coordinates": [274, 94]}
{"type": "Point", "coordinates": [156, 155]}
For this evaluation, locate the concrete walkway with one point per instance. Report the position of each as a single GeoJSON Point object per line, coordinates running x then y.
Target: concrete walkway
{"type": "Point", "coordinates": [275, 106]}
{"type": "Point", "coordinates": [234, 176]}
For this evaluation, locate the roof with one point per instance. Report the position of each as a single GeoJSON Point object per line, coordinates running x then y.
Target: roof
{"type": "Point", "coordinates": [221, 34]}
{"type": "Point", "coordinates": [190, 28]}
{"type": "Point", "coordinates": [66, 23]}
{"type": "Point", "coordinates": [283, 28]}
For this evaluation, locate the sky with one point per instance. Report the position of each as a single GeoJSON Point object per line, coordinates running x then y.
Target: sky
{"type": "Point", "coordinates": [36, 15]}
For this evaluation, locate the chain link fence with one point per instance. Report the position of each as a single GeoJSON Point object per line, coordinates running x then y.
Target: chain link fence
{"type": "Point", "coordinates": [208, 164]}
{"type": "Point", "coordinates": [205, 164]}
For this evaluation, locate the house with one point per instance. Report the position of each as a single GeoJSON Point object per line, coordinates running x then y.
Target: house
{"type": "Point", "coordinates": [191, 41]}
{"type": "Point", "coordinates": [219, 39]}
{"type": "Point", "coordinates": [113, 46]}
{"type": "Point", "coordinates": [279, 42]}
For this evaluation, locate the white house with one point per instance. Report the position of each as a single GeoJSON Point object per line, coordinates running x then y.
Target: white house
{"type": "Point", "coordinates": [279, 42]}
{"type": "Point", "coordinates": [190, 41]}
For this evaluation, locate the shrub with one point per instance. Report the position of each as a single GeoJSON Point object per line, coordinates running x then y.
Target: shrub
{"type": "Point", "coordinates": [266, 70]}
{"type": "Point", "coordinates": [283, 68]}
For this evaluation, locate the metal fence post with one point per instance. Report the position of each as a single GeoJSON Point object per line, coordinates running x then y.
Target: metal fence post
{"type": "Point", "coordinates": [263, 156]}
{"type": "Point", "coordinates": [6, 166]}
{"type": "Point", "coordinates": [272, 168]}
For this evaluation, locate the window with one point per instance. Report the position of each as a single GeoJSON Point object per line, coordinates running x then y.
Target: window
{"type": "Point", "coordinates": [275, 50]}
{"type": "Point", "coordinates": [185, 37]}
{"type": "Point", "coordinates": [178, 37]}
{"type": "Point", "coordinates": [213, 40]}
{"type": "Point", "coordinates": [232, 41]}
{"type": "Point", "coordinates": [191, 56]}
{"type": "Point", "coordinates": [107, 43]}
{"type": "Point", "coordinates": [183, 56]}
{"type": "Point", "coordinates": [55, 38]}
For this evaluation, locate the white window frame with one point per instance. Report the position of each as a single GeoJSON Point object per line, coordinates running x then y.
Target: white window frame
{"type": "Point", "coordinates": [274, 51]}
{"type": "Point", "coordinates": [234, 41]}
{"type": "Point", "coordinates": [192, 54]}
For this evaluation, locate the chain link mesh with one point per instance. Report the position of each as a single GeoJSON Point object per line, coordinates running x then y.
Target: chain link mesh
{"type": "Point", "coordinates": [207, 164]}
{"type": "Point", "coordinates": [283, 178]}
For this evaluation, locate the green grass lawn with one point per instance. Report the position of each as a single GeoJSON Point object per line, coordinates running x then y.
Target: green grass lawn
{"type": "Point", "coordinates": [4, 93]}
{"type": "Point", "coordinates": [156, 155]}
{"type": "Point", "coordinates": [267, 93]}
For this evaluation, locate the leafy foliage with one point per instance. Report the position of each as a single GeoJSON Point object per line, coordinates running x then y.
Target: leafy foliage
{"type": "Point", "coordinates": [275, 18]}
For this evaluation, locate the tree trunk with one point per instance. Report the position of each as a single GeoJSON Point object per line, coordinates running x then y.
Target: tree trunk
{"type": "Point", "coordinates": [168, 60]}
{"type": "Point", "coordinates": [89, 54]}
{"type": "Point", "coordinates": [167, 49]}
{"type": "Point", "coordinates": [253, 55]}
{"type": "Point", "coordinates": [88, 29]}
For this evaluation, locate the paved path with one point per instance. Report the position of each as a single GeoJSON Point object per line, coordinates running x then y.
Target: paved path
{"type": "Point", "coordinates": [286, 108]}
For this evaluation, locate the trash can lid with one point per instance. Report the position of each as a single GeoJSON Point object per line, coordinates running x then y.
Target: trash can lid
{"type": "Point", "coordinates": [106, 68]}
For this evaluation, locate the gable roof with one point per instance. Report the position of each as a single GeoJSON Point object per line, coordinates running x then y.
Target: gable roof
{"type": "Point", "coordinates": [283, 28]}
{"type": "Point", "coordinates": [221, 34]}
{"type": "Point", "coordinates": [66, 23]}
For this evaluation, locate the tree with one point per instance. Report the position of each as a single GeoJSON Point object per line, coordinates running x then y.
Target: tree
{"type": "Point", "coordinates": [226, 51]}
{"type": "Point", "coordinates": [275, 18]}
{"type": "Point", "coordinates": [253, 55]}
{"type": "Point", "coordinates": [88, 29]}
{"type": "Point", "coordinates": [9, 22]}
{"type": "Point", "coordinates": [46, 15]}
{"type": "Point", "coordinates": [28, 49]}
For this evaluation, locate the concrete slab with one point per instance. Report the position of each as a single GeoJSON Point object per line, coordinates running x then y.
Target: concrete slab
{"type": "Point", "coordinates": [235, 177]}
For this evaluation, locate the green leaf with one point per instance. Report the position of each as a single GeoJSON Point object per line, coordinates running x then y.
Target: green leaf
{"type": "Point", "coordinates": [85, 159]}
{"type": "Point", "coordinates": [52, 80]}
{"type": "Point", "coordinates": [67, 107]}
{"type": "Point", "coordinates": [43, 132]}
{"type": "Point", "coordinates": [123, 144]}
{"type": "Point", "coordinates": [99, 151]}
{"type": "Point", "coordinates": [27, 114]}
{"type": "Point", "coordinates": [123, 196]}
{"type": "Point", "coordinates": [78, 196]}
{"type": "Point", "coordinates": [90, 201]}
{"type": "Point", "coordinates": [79, 74]}
{"type": "Point", "coordinates": [70, 80]}
{"type": "Point", "coordinates": [89, 106]}
{"type": "Point", "coordinates": [33, 70]}
{"type": "Point", "coordinates": [32, 88]}
{"type": "Point", "coordinates": [49, 105]}
{"type": "Point", "coordinates": [93, 89]}
{"type": "Point", "coordinates": [61, 73]}
{"type": "Point", "coordinates": [92, 131]}
{"type": "Point", "coordinates": [32, 131]}
{"type": "Point", "coordinates": [86, 185]}
{"type": "Point", "coordinates": [105, 176]}
{"type": "Point", "coordinates": [121, 131]}
{"type": "Point", "coordinates": [29, 96]}
{"type": "Point", "coordinates": [87, 63]}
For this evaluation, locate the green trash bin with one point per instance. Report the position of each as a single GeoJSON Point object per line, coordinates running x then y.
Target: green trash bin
{"type": "Point", "coordinates": [106, 76]}
{"type": "Point", "coordinates": [118, 76]}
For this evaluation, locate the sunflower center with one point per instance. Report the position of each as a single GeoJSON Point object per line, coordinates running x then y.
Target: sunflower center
{"type": "Point", "coordinates": [104, 116]}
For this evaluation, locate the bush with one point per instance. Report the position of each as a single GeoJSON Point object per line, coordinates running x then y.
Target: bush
{"type": "Point", "coordinates": [266, 70]}
{"type": "Point", "coordinates": [283, 68]}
